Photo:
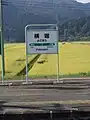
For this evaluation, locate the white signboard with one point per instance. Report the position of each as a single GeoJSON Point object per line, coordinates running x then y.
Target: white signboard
{"type": "Point", "coordinates": [41, 39]}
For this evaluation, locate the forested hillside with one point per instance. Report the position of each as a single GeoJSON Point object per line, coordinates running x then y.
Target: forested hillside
{"type": "Point", "coordinates": [19, 13]}
{"type": "Point", "coordinates": [76, 28]}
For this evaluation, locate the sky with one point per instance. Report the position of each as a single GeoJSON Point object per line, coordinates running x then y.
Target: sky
{"type": "Point", "coordinates": [83, 1]}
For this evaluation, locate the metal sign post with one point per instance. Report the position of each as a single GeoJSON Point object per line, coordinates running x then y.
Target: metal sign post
{"type": "Point", "coordinates": [58, 66]}
{"type": "Point", "coordinates": [26, 55]}
{"type": "Point", "coordinates": [26, 67]}
{"type": "Point", "coordinates": [41, 39]}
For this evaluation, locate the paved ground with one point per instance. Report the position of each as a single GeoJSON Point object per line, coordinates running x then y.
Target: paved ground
{"type": "Point", "coordinates": [67, 92]}
{"type": "Point", "coordinates": [31, 95]}
{"type": "Point", "coordinates": [45, 96]}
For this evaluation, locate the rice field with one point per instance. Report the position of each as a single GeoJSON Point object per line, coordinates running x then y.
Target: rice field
{"type": "Point", "coordinates": [74, 58]}
{"type": "Point", "coordinates": [15, 59]}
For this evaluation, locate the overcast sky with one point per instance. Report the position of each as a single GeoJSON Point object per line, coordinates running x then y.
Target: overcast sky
{"type": "Point", "coordinates": [83, 1]}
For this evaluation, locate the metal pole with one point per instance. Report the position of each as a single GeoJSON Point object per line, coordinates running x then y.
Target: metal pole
{"type": "Point", "coordinates": [26, 56]}
{"type": "Point", "coordinates": [26, 67]}
{"type": "Point", "coordinates": [2, 45]}
{"type": "Point", "coordinates": [58, 66]}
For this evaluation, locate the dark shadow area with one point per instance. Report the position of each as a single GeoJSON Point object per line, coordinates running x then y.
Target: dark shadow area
{"type": "Point", "coordinates": [46, 116]}
{"type": "Point", "coordinates": [45, 112]}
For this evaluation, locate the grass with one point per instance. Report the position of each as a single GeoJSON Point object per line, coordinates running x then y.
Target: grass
{"type": "Point", "coordinates": [15, 59]}
{"type": "Point", "coordinates": [74, 59]}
